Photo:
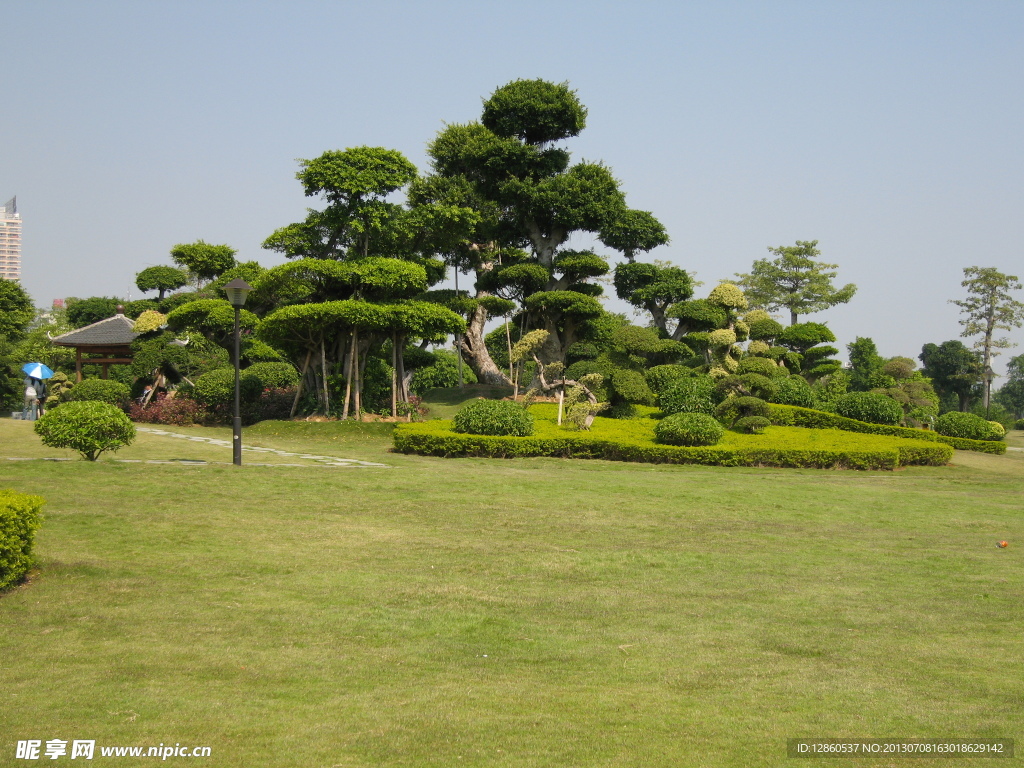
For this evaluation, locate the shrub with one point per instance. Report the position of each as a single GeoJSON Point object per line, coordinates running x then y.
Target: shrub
{"type": "Point", "coordinates": [87, 427]}
{"type": "Point", "coordinates": [965, 425]}
{"type": "Point", "coordinates": [494, 417]}
{"type": "Point", "coordinates": [1018, 424]}
{"type": "Point", "coordinates": [738, 407]}
{"type": "Point", "coordinates": [631, 387]}
{"type": "Point", "coordinates": [19, 520]}
{"type": "Point", "coordinates": [100, 390]}
{"type": "Point", "coordinates": [761, 365]}
{"type": "Point", "coordinates": [872, 407]}
{"type": "Point", "coordinates": [998, 430]}
{"type": "Point", "coordinates": [661, 377]}
{"type": "Point", "coordinates": [271, 375]}
{"type": "Point", "coordinates": [751, 425]}
{"type": "Point", "coordinates": [692, 395]}
{"type": "Point", "coordinates": [177, 411]}
{"type": "Point", "coordinates": [218, 387]}
{"type": "Point", "coordinates": [688, 429]}
{"type": "Point", "coordinates": [794, 390]}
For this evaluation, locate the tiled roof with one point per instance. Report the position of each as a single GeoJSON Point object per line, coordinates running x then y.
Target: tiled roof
{"type": "Point", "coordinates": [110, 332]}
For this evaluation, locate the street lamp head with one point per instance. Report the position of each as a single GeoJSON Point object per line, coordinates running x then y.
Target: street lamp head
{"type": "Point", "coordinates": [989, 375]}
{"type": "Point", "coordinates": [237, 291]}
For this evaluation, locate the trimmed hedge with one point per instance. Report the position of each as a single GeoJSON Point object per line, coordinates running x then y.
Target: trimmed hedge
{"type": "Point", "coordinates": [20, 517]}
{"type": "Point", "coordinates": [494, 417]}
{"type": "Point", "coordinates": [631, 441]}
{"type": "Point", "coordinates": [693, 395]}
{"type": "Point", "coordinates": [101, 391]}
{"type": "Point", "coordinates": [996, 447]}
{"type": "Point", "coordinates": [271, 375]}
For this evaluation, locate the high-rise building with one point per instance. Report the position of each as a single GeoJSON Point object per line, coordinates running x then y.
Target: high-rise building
{"type": "Point", "coordinates": [10, 241]}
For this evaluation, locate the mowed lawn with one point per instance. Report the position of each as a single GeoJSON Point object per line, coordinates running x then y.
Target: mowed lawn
{"type": "Point", "coordinates": [534, 612]}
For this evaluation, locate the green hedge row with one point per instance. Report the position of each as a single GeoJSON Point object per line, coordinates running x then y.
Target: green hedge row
{"type": "Point", "coordinates": [795, 416]}
{"type": "Point", "coordinates": [435, 438]}
{"type": "Point", "coordinates": [998, 447]}
{"type": "Point", "coordinates": [20, 517]}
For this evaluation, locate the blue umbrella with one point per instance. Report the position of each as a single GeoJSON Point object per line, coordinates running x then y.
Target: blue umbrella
{"type": "Point", "coordinates": [37, 371]}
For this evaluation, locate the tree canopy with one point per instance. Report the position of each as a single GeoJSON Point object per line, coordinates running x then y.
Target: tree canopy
{"type": "Point", "coordinates": [205, 260]}
{"type": "Point", "coordinates": [161, 278]}
{"type": "Point", "coordinates": [795, 281]}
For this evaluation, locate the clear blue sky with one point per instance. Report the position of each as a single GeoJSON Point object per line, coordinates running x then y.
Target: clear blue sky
{"type": "Point", "coordinates": [889, 131]}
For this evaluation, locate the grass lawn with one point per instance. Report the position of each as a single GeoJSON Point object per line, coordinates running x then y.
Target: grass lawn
{"type": "Point", "coordinates": [531, 612]}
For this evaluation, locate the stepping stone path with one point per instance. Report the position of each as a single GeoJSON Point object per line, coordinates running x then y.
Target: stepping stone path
{"type": "Point", "coordinates": [328, 461]}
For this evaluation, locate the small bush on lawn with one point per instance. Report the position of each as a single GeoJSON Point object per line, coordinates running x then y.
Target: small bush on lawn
{"type": "Point", "coordinates": [100, 390]}
{"type": "Point", "coordinates": [494, 417]}
{"type": "Point", "coordinates": [692, 395]}
{"type": "Point", "coordinates": [19, 520]}
{"type": "Point", "coordinates": [872, 407]}
{"type": "Point", "coordinates": [87, 427]}
{"type": "Point", "coordinates": [794, 391]}
{"type": "Point", "coordinates": [751, 425]}
{"type": "Point", "coordinates": [998, 431]}
{"type": "Point", "coordinates": [964, 425]}
{"type": "Point", "coordinates": [688, 429]}
{"type": "Point", "coordinates": [661, 377]}
{"type": "Point", "coordinates": [176, 411]}
{"type": "Point", "coordinates": [1018, 424]}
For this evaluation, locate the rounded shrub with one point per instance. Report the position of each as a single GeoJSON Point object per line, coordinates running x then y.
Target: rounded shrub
{"type": "Point", "coordinates": [966, 425]}
{"type": "Point", "coordinates": [762, 366]}
{"type": "Point", "coordinates": [872, 407]}
{"type": "Point", "coordinates": [89, 427]}
{"type": "Point", "coordinates": [688, 429]}
{"type": "Point", "coordinates": [735, 408]}
{"type": "Point", "coordinates": [631, 386]}
{"type": "Point", "coordinates": [794, 390]}
{"type": "Point", "coordinates": [100, 390]}
{"type": "Point", "coordinates": [691, 395]}
{"type": "Point", "coordinates": [494, 417]}
{"type": "Point", "coordinates": [752, 425]}
{"type": "Point", "coordinates": [1018, 424]}
{"type": "Point", "coordinates": [271, 375]}
{"type": "Point", "coordinates": [218, 387]}
{"type": "Point", "coordinates": [661, 377]}
{"type": "Point", "coordinates": [998, 431]}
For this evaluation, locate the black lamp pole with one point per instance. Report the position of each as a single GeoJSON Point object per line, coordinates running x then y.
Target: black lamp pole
{"type": "Point", "coordinates": [237, 291]}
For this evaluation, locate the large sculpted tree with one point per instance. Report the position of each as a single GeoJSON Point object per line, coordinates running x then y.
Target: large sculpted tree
{"type": "Point", "coordinates": [988, 308]}
{"type": "Point", "coordinates": [204, 260]}
{"type": "Point", "coordinates": [794, 281]}
{"type": "Point", "coordinates": [527, 194]}
{"type": "Point", "coordinates": [954, 370]}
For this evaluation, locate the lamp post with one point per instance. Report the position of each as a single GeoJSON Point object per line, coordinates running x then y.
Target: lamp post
{"type": "Point", "coordinates": [988, 376]}
{"type": "Point", "coordinates": [237, 291]}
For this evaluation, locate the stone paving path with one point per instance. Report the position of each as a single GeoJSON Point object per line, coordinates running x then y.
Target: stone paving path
{"type": "Point", "coordinates": [324, 461]}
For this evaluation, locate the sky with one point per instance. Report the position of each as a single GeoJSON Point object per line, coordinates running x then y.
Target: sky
{"type": "Point", "coordinates": [888, 131]}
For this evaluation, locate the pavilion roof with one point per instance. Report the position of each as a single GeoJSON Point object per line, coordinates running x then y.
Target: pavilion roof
{"type": "Point", "coordinates": [114, 331]}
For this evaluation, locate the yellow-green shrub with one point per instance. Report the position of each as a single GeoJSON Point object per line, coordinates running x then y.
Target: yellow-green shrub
{"type": "Point", "coordinates": [20, 517]}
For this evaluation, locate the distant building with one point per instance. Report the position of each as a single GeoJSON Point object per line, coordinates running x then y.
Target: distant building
{"type": "Point", "coordinates": [10, 240]}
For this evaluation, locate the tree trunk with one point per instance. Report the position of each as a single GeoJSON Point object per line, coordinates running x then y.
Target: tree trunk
{"type": "Point", "coordinates": [475, 353]}
{"type": "Point", "coordinates": [298, 389]}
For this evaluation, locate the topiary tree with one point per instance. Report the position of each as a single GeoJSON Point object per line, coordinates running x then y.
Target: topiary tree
{"type": "Point", "coordinates": [205, 260]}
{"type": "Point", "coordinates": [872, 407]}
{"type": "Point", "coordinates": [688, 429]}
{"type": "Point", "coordinates": [728, 411]}
{"type": "Point", "coordinates": [752, 425]}
{"type": "Point", "coordinates": [161, 279]}
{"type": "Point", "coordinates": [494, 417]}
{"type": "Point", "coordinates": [89, 427]}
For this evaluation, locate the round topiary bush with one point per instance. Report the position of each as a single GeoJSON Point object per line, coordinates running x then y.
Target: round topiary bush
{"type": "Point", "coordinates": [661, 377]}
{"type": "Point", "coordinates": [271, 375]}
{"type": "Point", "coordinates": [966, 425]}
{"type": "Point", "coordinates": [218, 387]}
{"type": "Point", "coordinates": [997, 432]}
{"type": "Point", "coordinates": [494, 417]}
{"type": "Point", "coordinates": [761, 365]}
{"type": "Point", "coordinates": [751, 425]}
{"type": "Point", "coordinates": [688, 429]}
{"type": "Point", "coordinates": [739, 407]}
{"type": "Point", "coordinates": [88, 427]}
{"type": "Point", "coordinates": [631, 386]}
{"type": "Point", "coordinates": [1018, 424]}
{"type": "Point", "coordinates": [100, 390]}
{"type": "Point", "coordinates": [872, 407]}
{"type": "Point", "coordinates": [794, 391]}
{"type": "Point", "coordinates": [692, 395]}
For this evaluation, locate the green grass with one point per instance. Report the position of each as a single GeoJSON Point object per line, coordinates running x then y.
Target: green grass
{"type": "Point", "coordinates": [534, 612]}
